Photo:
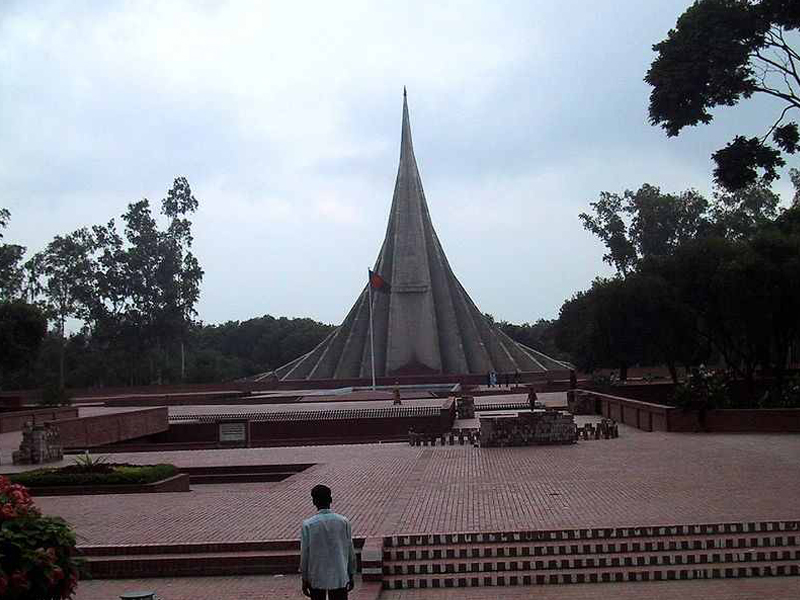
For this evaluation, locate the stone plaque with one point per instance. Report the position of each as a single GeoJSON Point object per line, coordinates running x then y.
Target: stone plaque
{"type": "Point", "coordinates": [233, 432]}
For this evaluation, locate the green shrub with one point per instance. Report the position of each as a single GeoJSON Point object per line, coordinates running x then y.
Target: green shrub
{"type": "Point", "coordinates": [53, 395]}
{"type": "Point", "coordinates": [117, 474]}
{"type": "Point", "coordinates": [37, 553]}
{"type": "Point", "coordinates": [704, 389]}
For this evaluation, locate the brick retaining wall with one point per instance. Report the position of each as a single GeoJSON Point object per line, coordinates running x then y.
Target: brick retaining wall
{"type": "Point", "coordinates": [782, 420]}
{"type": "Point", "coordinates": [650, 416]}
{"type": "Point", "coordinates": [13, 421]}
{"type": "Point", "coordinates": [176, 483]}
{"type": "Point", "coordinates": [333, 426]}
{"type": "Point", "coordinates": [99, 430]}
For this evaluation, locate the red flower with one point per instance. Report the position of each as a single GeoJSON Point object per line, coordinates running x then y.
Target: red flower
{"type": "Point", "coordinates": [8, 512]}
{"type": "Point", "coordinates": [3, 585]}
{"type": "Point", "coordinates": [19, 580]}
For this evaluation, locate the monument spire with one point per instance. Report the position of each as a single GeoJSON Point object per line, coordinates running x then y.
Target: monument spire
{"type": "Point", "coordinates": [427, 323]}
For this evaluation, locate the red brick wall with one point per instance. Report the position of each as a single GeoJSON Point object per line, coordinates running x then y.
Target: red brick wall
{"type": "Point", "coordinates": [88, 432]}
{"type": "Point", "coordinates": [756, 420]}
{"type": "Point", "coordinates": [265, 433]}
{"type": "Point", "coordinates": [13, 421]}
{"type": "Point", "coordinates": [654, 417]}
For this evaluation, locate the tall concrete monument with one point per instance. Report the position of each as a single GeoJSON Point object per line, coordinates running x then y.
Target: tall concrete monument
{"type": "Point", "coordinates": [426, 323]}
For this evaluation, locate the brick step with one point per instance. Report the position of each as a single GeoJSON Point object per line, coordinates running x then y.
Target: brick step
{"type": "Point", "coordinates": [649, 559]}
{"type": "Point", "coordinates": [195, 548]}
{"type": "Point", "coordinates": [273, 476]}
{"type": "Point", "coordinates": [644, 544]}
{"type": "Point", "coordinates": [566, 576]}
{"type": "Point", "coordinates": [591, 534]}
{"type": "Point", "coordinates": [232, 469]}
{"type": "Point", "coordinates": [192, 565]}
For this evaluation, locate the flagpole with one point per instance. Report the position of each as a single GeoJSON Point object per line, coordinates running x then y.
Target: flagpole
{"type": "Point", "coordinates": [371, 339]}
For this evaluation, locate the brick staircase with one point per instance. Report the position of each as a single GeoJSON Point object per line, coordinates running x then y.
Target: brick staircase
{"type": "Point", "coordinates": [680, 552]}
{"type": "Point", "coordinates": [192, 560]}
{"type": "Point", "coordinates": [243, 473]}
{"type": "Point", "coordinates": [199, 560]}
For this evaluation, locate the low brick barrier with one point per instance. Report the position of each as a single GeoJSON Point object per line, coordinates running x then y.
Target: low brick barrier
{"type": "Point", "coordinates": [13, 421]}
{"type": "Point", "coordinates": [99, 430]}
{"type": "Point", "coordinates": [646, 416]}
{"type": "Point", "coordinates": [336, 426]}
{"type": "Point", "coordinates": [764, 420]}
{"type": "Point", "coordinates": [650, 416]}
{"type": "Point", "coordinates": [176, 483]}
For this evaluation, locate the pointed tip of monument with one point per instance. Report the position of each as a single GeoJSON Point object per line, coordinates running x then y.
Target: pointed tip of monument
{"type": "Point", "coordinates": [404, 92]}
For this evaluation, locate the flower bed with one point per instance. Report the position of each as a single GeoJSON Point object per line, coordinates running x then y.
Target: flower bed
{"type": "Point", "coordinates": [37, 553]}
{"type": "Point", "coordinates": [106, 474]}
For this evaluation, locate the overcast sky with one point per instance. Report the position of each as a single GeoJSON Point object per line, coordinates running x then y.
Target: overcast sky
{"type": "Point", "coordinates": [285, 118]}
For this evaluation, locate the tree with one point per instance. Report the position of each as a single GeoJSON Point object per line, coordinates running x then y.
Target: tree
{"type": "Point", "coordinates": [65, 270]}
{"type": "Point", "coordinates": [22, 329]}
{"type": "Point", "coordinates": [539, 335]}
{"type": "Point", "coordinates": [645, 223]}
{"type": "Point", "coordinates": [721, 52]}
{"type": "Point", "coordinates": [11, 272]}
{"type": "Point", "coordinates": [163, 276]}
{"type": "Point", "coordinates": [604, 326]}
{"type": "Point", "coordinates": [183, 273]}
{"type": "Point", "coordinates": [740, 214]}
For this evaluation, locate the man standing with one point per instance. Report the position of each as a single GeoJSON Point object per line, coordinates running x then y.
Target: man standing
{"type": "Point", "coordinates": [327, 556]}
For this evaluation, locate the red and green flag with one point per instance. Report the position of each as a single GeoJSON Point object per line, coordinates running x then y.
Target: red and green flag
{"type": "Point", "coordinates": [378, 283]}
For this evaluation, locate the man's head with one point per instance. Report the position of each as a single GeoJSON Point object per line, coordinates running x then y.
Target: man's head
{"type": "Point", "coordinates": [321, 496]}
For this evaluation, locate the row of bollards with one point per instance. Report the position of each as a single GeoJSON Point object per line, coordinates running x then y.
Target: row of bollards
{"type": "Point", "coordinates": [459, 436]}
{"type": "Point", "coordinates": [606, 429]}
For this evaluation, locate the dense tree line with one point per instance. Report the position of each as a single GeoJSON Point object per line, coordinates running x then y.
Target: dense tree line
{"type": "Point", "coordinates": [213, 353]}
{"type": "Point", "coordinates": [540, 335]}
{"type": "Point", "coordinates": [697, 281]}
{"type": "Point", "coordinates": [132, 292]}
{"type": "Point", "coordinates": [702, 280]}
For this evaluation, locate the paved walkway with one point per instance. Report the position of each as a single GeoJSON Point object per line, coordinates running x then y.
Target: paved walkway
{"type": "Point", "coordinates": [288, 588]}
{"type": "Point", "coordinates": [254, 587]}
{"type": "Point", "coordinates": [639, 479]}
{"type": "Point", "coordinates": [779, 588]}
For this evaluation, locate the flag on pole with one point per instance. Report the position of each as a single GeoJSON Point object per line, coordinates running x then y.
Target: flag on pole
{"type": "Point", "coordinates": [378, 283]}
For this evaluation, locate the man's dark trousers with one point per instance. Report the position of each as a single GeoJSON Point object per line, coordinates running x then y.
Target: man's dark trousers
{"type": "Point", "coordinates": [340, 594]}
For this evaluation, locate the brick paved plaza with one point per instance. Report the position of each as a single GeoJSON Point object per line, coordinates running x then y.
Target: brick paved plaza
{"type": "Point", "coordinates": [286, 587]}
{"type": "Point", "coordinates": [638, 479]}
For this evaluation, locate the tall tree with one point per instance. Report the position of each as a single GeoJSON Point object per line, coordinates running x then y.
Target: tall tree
{"type": "Point", "coordinates": [183, 273]}
{"type": "Point", "coordinates": [11, 271]}
{"type": "Point", "coordinates": [644, 224]}
{"type": "Point", "coordinates": [22, 329]}
{"type": "Point", "coordinates": [721, 52]}
{"type": "Point", "coordinates": [65, 269]}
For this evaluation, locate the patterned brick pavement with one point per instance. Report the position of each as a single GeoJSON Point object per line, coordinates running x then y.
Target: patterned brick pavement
{"type": "Point", "coordinates": [266, 587]}
{"type": "Point", "coordinates": [639, 479]}
{"type": "Point", "coordinates": [288, 588]}
{"type": "Point", "coordinates": [780, 588]}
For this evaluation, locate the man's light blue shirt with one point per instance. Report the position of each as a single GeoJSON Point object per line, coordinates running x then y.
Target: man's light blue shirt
{"type": "Point", "coordinates": [327, 556]}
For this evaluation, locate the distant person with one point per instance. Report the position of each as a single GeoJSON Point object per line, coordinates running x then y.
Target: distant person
{"type": "Point", "coordinates": [489, 378]}
{"type": "Point", "coordinates": [532, 398]}
{"type": "Point", "coordinates": [327, 556]}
